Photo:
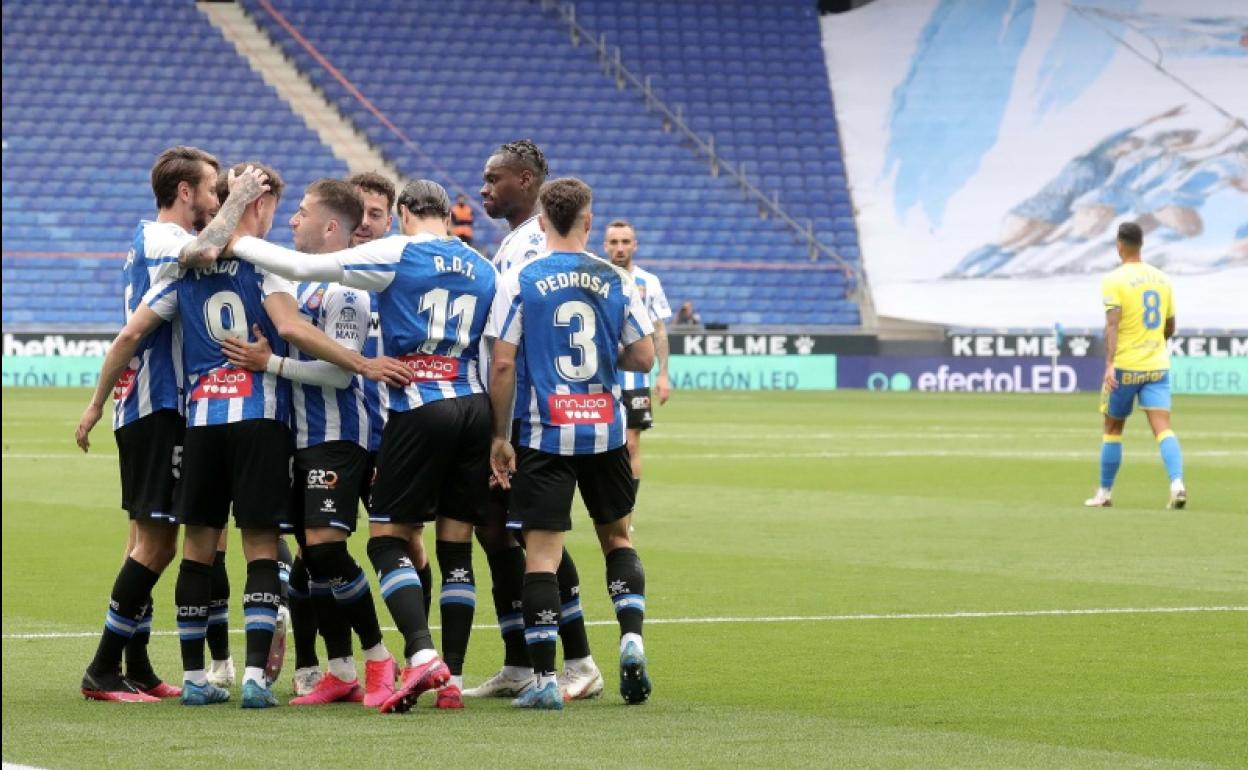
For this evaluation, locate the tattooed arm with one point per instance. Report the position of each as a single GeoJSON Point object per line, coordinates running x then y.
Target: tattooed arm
{"type": "Point", "coordinates": [244, 188]}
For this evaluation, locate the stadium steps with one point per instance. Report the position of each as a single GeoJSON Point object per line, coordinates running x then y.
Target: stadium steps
{"type": "Point", "coordinates": [293, 87]}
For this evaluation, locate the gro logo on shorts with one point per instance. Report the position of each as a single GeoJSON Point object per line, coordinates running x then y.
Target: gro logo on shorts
{"type": "Point", "coordinates": [321, 479]}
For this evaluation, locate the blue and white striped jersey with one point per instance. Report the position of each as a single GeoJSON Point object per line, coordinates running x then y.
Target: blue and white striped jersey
{"type": "Point", "coordinates": [214, 303]}
{"type": "Point", "coordinates": [323, 413]}
{"type": "Point", "coordinates": [433, 296]}
{"type": "Point", "coordinates": [655, 300]}
{"type": "Point", "coordinates": [572, 312]}
{"type": "Point", "coordinates": [153, 380]}
{"type": "Point", "coordinates": [523, 244]}
{"type": "Point", "coordinates": [376, 395]}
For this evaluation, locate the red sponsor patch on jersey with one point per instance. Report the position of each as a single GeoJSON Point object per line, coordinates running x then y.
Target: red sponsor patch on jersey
{"type": "Point", "coordinates": [582, 409]}
{"type": "Point", "coordinates": [226, 382]}
{"type": "Point", "coordinates": [431, 368]}
{"type": "Point", "coordinates": [125, 384]}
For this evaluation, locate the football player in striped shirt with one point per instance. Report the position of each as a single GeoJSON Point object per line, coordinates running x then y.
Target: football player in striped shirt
{"type": "Point", "coordinates": [377, 193]}
{"type": "Point", "coordinates": [331, 472]}
{"type": "Point", "coordinates": [148, 426]}
{"type": "Point", "coordinates": [433, 297]}
{"type": "Point", "coordinates": [620, 245]}
{"type": "Point", "coordinates": [574, 320]}
{"type": "Point", "coordinates": [512, 178]}
{"type": "Point", "coordinates": [237, 444]}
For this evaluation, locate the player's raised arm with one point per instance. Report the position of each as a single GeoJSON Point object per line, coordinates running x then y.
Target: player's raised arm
{"type": "Point", "coordinates": [244, 189]}
{"type": "Point", "coordinates": [369, 266]}
{"type": "Point", "coordinates": [143, 322]}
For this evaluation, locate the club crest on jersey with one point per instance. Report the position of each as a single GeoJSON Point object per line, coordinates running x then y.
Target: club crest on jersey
{"type": "Point", "coordinates": [315, 300]}
{"type": "Point", "coordinates": [225, 382]}
{"type": "Point", "coordinates": [431, 368]}
{"type": "Point", "coordinates": [582, 409]}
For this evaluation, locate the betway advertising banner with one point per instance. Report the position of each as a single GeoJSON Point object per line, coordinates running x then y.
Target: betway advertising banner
{"type": "Point", "coordinates": [1225, 376]}
{"type": "Point", "coordinates": [53, 360]}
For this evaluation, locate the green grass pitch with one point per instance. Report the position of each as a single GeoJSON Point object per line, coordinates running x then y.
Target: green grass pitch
{"type": "Point", "coordinates": [877, 563]}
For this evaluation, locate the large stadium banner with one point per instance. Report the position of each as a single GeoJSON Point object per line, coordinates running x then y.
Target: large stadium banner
{"type": "Point", "coordinates": [993, 147]}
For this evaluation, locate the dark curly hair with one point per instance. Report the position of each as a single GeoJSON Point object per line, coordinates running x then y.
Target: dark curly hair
{"type": "Point", "coordinates": [527, 154]}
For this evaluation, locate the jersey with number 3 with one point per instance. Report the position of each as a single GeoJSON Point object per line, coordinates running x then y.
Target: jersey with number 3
{"type": "Point", "coordinates": [215, 303]}
{"type": "Point", "coordinates": [433, 296]}
{"type": "Point", "coordinates": [572, 311]}
{"type": "Point", "coordinates": [1144, 295]}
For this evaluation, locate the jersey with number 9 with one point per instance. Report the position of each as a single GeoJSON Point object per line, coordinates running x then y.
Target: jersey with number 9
{"type": "Point", "coordinates": [1143, 294]}
{"type": "Point", "coordinates": [215, 303]}
{"type": "Point", "coordinates": [572, 311]}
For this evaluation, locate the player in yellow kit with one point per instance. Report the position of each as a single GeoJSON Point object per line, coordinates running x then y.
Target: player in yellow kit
{"type": "Point", "coordinates": [1139, 318]}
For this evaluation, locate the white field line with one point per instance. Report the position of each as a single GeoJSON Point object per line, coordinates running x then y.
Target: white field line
{"type": "Point", "coordinates": [781, 619]}
{"type": "Point", "coordinates": [11, 766]}
{"type": "Point", "coordinates": [924, 434]}
{"type": "Point", "coordinates": [986, 454]}
{"type": "Point", "coordinates": [1001, 454]}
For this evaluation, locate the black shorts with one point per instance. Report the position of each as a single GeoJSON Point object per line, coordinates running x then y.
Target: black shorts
{"type": "Point", "coordinates": [434, 461]}
{"type": "Point", "coordinates": [245, 463]}
{"type": "Point", "coordinates": [149, 451]}
{"type": "Point", "coordinates": [637, 409]}
{"type": "Point", "coordinates": [542, 489]}
{"type": "Point", "coordinates": [328, 482]}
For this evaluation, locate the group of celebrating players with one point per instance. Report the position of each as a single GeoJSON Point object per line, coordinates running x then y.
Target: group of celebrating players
{"type": "Point", "coordinates": [259, 378]}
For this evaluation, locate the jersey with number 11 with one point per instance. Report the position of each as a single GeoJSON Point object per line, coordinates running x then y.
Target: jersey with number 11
{"type": "Point", "coordinates": [433, 296]}
{"type": "Point", "coordinates": [1144, 295]}
{"type": "Point", "coordinates": [214, 303]}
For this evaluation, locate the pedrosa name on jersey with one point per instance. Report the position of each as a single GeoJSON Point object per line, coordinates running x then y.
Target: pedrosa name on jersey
{"type": "Point", "coordinates": [574, 280]}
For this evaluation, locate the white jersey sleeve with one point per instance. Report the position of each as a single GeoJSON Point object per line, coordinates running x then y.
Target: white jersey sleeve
{"type": "Point", "coordinates": [273, 283]}
{"type": "Point", "coordinates": [371, 266]}
{"type": "Point", "coordinates": [524, 243]}
{"type": "Point", "coordinates": [163, 243]}
{"type": "Point", "coordinates": [656, 299]}
{"type": "Point", "coordinates": [637, 323]}
{"type": "Point", "coordinates": [162, 298]}
{"type": "Point", "coordinates": [506, 314]}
